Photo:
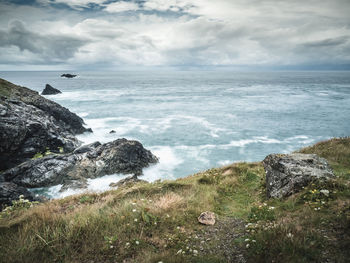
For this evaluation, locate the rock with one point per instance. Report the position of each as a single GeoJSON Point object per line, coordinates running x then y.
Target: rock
{"type": "Point", "coordinates": [10, 191]}
{"type": "Point", "coordinates": [127, 181]}
{"type": "Point", "coordinates": [30, 124]}
{"type": "Point", "coordinates": [87, 148]}
{"type": "Point", "coordinates": [112, 131]}
{"type": "Point", "coordinates": [49, 90]}
{"type": "Point", "coordinates": [69, 76]}
{"type": "Point", "coordinates": [119, 156]}
{"type": "Point", "coordinates": [207, 218]}
{"type": "Point", "coordinates": [288, 173]}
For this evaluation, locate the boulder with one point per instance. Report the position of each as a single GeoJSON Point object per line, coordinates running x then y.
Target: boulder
{"type": "Point", "coordinates": [289, 173]}
{"type": "Point", "coordinates": [49, 90]}
{"type": "Point", "coordinates": [207, 218]}
{"type": "Point", "coordinates": [112, 131]}
{"type": "Point", "coordinates": [67, 75]}
{"type": "Point", "coordinates": [10, 191]}
{"type": "Point", "coordinates": [119, 156]}
{"type": "Point", "coordinates": [30, 124]}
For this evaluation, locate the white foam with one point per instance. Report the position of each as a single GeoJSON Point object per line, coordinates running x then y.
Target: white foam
{"type": "Point", "coordinates": [168, 161]}
{"type": "Point", "coordinates": [102, 183]}
{"type": "Point", "coordinates": [90, 95]}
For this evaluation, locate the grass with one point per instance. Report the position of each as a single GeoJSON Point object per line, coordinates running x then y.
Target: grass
{"type": "Point", "coordinates": [158, 221]}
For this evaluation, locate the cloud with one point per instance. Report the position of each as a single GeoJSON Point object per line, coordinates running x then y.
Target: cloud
{"type": "Point", "coordinates": [48, 48]}
{"type": "Point", "coordinates": [78, 4]}
{"type": "Point", "coordinates": [178, 32]}
{"type": "Point", "coordinates": [121, 7]}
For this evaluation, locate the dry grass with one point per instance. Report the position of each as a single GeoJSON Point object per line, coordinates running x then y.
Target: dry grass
{"type": "Point", "coordinates": [168, 201]}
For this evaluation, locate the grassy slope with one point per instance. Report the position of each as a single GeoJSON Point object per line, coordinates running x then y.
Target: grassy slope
{"type": "Point", "coordinates": [153, 222]}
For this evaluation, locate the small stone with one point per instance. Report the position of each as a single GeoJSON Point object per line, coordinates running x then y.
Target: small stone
{"type": "Point", "coordinates": [207, 218]}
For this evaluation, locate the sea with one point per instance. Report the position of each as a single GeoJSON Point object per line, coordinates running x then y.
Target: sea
{"type": "Point", "coordinates": [196, 120]}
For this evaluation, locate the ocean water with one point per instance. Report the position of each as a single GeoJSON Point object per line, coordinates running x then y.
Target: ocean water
{"type": "Point", "coordinates": [195, 120]}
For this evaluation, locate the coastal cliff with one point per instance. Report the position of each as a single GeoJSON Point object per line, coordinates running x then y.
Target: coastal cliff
{"type": "Point", "coordinates": [38, 147]}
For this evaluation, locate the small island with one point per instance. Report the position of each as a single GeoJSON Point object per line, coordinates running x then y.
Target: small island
{"type": "Point", "coordinates": [68, 76]}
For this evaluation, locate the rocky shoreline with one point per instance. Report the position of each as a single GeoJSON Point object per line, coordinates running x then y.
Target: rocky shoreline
{"type": "Point", "coordinates": [39, 148]}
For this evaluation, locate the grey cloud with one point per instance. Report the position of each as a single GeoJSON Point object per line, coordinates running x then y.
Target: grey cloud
{"type": "Point", "coordinates": [48, 47]}
{"type": "Point", "coordinates": [329, 42]}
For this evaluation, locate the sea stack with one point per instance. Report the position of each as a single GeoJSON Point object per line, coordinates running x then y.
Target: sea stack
{"type": "Point", "coordinates": [49, 90]}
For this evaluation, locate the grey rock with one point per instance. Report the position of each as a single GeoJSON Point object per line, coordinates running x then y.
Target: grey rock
{"type": "Point", "coordinates": [49, 90]}
{"type": "Point", "coordinates": [10, 191]}
{"type": "Point", "coordinates": [112, 131]}
{"type": "Point", "coordinates": [30, 123]}
{"type": "Point", "coordinates": [119, 156]}
{"type": "Point", "coordinates": [87, 148]}
{"type": "Point", "coordinates": [288, 173]}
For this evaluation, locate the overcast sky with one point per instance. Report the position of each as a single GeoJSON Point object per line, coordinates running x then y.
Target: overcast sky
{"type": "Point", "coordinates": [113, 35]}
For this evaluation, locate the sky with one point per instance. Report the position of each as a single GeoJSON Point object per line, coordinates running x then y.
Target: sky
{"type": "Point", "coordinates": [185, 34]}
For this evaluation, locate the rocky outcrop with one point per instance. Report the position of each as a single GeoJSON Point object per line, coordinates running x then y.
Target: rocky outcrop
{"type": "Point", "coordinates": [69, 76]}
{"type": "Point", "coordinates": [288, 173]}
{"type": "Point", "coordinates": [30, 124]}
{"type": "Point", "coordinates": [130, 180]}
{"type": "Point", "coordinates": [49, 90]}
{"type": "Point", "coordinates": [10, 191]}
{"type": "Point", "coordinates": [119, 156]}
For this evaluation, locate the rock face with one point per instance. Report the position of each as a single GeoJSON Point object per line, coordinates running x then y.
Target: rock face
{"type": "Point", "coordinates": [49, 90]}
{"type": "Point", "coordinates": [119, 156]}
{"type": "Point", "coordinates": [30, 123]}
{"type": "Point", "coordinates": [10, 191]}
{"type": "Point", "coordinates": [288, 173]}
{"type": "Point", "coordinates": [69, 76]}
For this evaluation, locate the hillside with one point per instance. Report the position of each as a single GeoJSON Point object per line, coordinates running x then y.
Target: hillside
{"type": "Point", "coordinates": [157, 222]}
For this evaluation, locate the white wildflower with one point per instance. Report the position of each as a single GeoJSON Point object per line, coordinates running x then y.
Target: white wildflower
{"type": "Point", "coordinates": [135, 220]}
{"type": "Point", "coordinates": [325, 192]}
{"type": "Point", "coordinates": [134, 210]}
{"type": "Point", "coordinates": [137, 242]}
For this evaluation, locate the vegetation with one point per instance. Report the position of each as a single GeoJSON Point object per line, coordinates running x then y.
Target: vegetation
{"type": "Point", "coordinates": [157, 222]}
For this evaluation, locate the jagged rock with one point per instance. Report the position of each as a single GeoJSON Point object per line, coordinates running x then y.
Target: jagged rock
{"type": "Point", "coordinates": [207, 218]}
{"type": "Point", "coordinates": [87, 148]}
{"type": "Point", "coordinates": [288, 173]}
{"type": "Point", "coordinates": [69, 76]}
{"type": "Point", "coordinates": [10, 191]}
{"type": "Point", "coordinates": [30, 123]}
{"type": "Point", "coordinates": [119, 156]}
{"type": "Point", "coordinates": [49, 90]}
{"type": "Point", "coordinates": [127, 181]}
{"type": "Point", "coordinates": [112, 131]}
